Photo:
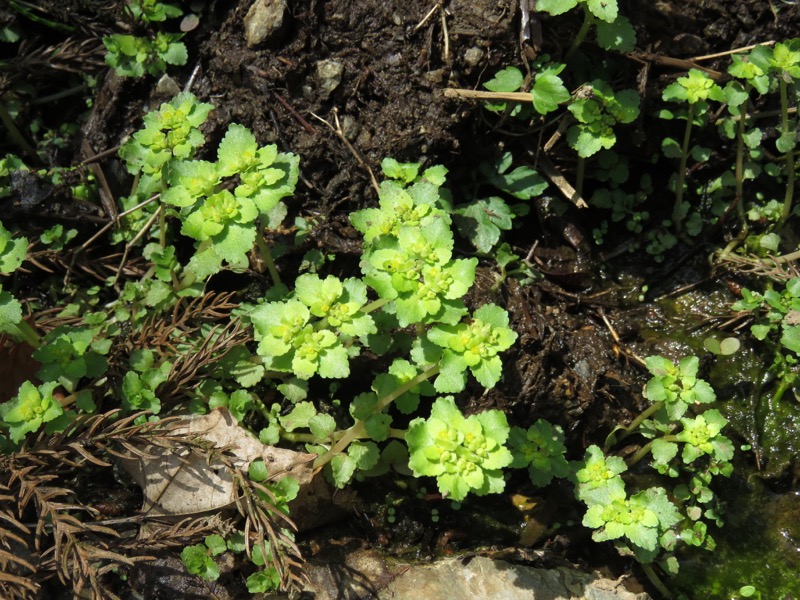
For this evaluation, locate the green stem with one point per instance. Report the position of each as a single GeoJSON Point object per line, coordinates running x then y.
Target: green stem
{"type": "Point", "coordinates": [646, 414]}
{"type": "Point", "coordinates": [162, 226]}
{"type": "Point", "coordinates": [740, 163]}
{"type": "Point", "coordinates": [359, 428]}
{"type": "Point", "coordinates": [687, 135]}
{"type": "Point", "coordinates": [785, 384]}
{"type": "Point", "coordinates": [655, 580]}
{"type": "Point", "coordinates": [27, 334]}
{"type": "Point", "coordinates": [790, 175]}
{"type": "Point", "coordinates": [644, 450]}
{"type": "Point", "coordinates": [372, 306]}
{"type": "Point", "coordinates": [266, 254]}
{"type": "Point", "coordinates": [588, 21]}
{"type": "Point", "coordinates": [16, 135]}
{"type": "Point", "coordinates": [579, 175]}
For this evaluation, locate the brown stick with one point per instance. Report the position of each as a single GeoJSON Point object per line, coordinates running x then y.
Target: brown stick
{"type": "Point", "coordinates": [495, 96]}
{"type": "Point", "coordinates": [557, 179]}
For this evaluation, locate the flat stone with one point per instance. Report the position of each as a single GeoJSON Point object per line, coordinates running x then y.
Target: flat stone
{"type": "Point", "coordinates": [483, 577]}
{"type": "Point", "coordinates": [365, 573]}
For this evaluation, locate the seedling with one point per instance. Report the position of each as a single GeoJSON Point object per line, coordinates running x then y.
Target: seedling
{"type": "Point", "coordinates": [464, 454]}
{"type": "Point", "coordinates": [695, 89]}
{"type": "Point", "coordinates": [135, 56]}
{"type": "Point", "coordinates": [614, 31]}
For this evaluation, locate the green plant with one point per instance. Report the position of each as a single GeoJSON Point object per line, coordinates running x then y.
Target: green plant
{"type": "Point", "coordinates": [614, 31]}
{"type": "Point", "coordinates": [782, 62]}
{"type": "Point", "coordinates": [775, 324]}
{"type": "Point", "coordinates": [541, 450]}
{"type": "Point", "coordinates": [597, 108]}
{"type": "Point", "coordinates": [481, 219]}
{"type": "Point", "coordinates": [695, 89]}
{"type": "Point", "coordinates": [133, 56]}
{"type": "Point", "coordinates": [199, 558]}
{"type": "Point", "coordinates": [31, 408]}
{"type": "Point", "coordinates": [464, 454]}
{"type": "Point", "coordinates": [12, 255]}
{"type": "Point", "coordinates": [547, 89]}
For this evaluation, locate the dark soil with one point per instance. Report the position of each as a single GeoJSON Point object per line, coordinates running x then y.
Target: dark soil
{"type": "Point", "coordinates": [566, 367]}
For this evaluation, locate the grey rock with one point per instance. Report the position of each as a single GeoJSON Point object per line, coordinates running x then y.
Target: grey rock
{"type": "Point", "coordinates": [473, 56]}
{"type": "Point", "coordinates": [366, 574]}
{"type": "Point", "coordinates": [265, 22]}
{"type": "Point", "coordinates": [329, 76]}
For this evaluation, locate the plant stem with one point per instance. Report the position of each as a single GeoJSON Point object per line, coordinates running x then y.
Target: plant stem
{"type": "Point", "coordinates": [266, 254]}
{"type": "Point", "coordinates": [739, 200]}
{"type": "Point", "coordinates": [785, 383]}
{"type": "Point", "coordinates": [372, 306]}
{"type": "Point", "coordinates": [588, 21]}
{"type": "Point", "coordinates": [27, 334]}
{"type": "Point", "coordinates": [579, 175]}
{"type": "Point", "coordinates": [789, 167]}
{"type": "Point", "coordinates": [655, 580]}
{"type": "Point", "coordinates": [687, 134]}
{"type": "Point", "coordinates": [643, 451]}
{"type": "Point", "coordinates": [646, 414]}
{"type": "Point", "coordinates": [359, 428]}
{"type": "Point", "coordinates": [16, 135]}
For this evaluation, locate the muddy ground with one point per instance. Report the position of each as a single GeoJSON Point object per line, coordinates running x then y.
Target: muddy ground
{"type": "Point", "coordinates": [395, 62]}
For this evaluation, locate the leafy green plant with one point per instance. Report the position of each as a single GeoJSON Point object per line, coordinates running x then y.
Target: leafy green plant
{"type": "Point", "coordinates": [548, 91]}
{"type": "Point", "coordinates": [31, 408]}
{"type": "Point", "coordinates": [695, 89]}
{"type": "Point", "coordinates": [464, 454]}
{"type": "Point", "coordinates": [135, 56]}
{"type": "Point", "coordinates": [782, 62]}
{"type": "Point", "coordinates": [614, 31]}
{"type": "Point", "coordinates": [775, 323]}
{"type": "Point", "coordinates": [12, 255]}
{"type": "Point", "coordinates": [597, 108]}
{"type": "Point", "coordinates": [482, 219]}
{"type": "Point", "coordinates": [650, 521]}
{"type": "Point", "coordinates": [199, 558]}
{"type": "Point", "coordinates": [541, 450]}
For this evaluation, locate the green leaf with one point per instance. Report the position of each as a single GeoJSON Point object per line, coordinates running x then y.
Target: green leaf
{"type": "Point", "coordinates": [549, 91]}
{"type": "Point", "coordinates": [216, 543]}
{"type": "Point", "coordinates": [790, 337]}
{"type": "Point", "coordinates": [257, 471]}
{"type": "Point", "coordinates": [12, 251]}
{"type": "Point", "coordinates": [237, 151]}
{"type": "Point", "coordinates": [263, 581]}
{"type": "Point", "coordinates": [605, 10]}
{"type": "Point", "coordinates": [299, 416]}
{"type": "Point", "coordinates": [322, 426]}
{"type": "Point", "coordinates": [618, 35]}
{"type": "Point", "coordinates": [507, 80]}
{"type": "Point", "coordinates": [556, 7]}
{"type": "Point", "coordinates": [10, 310]}
{"type": "Point", "coordinates": [481, 222]}
{"type": "Point", "coordinates": [198, 562]}
{"type": "Point", "coordinates": [404, 172]}
{"type": "Point", "coordinates": [663, 451]}
{"type": "Point", "coordinates": [364, 454]}
{"type": "Point", "coordinates": [342, 469]}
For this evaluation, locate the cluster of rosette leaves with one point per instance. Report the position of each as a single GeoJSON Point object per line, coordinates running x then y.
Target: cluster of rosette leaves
{"type": "Point", "coordinates": [418, 285]}
{"type": "Point", "coordinates": [220, 204]}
